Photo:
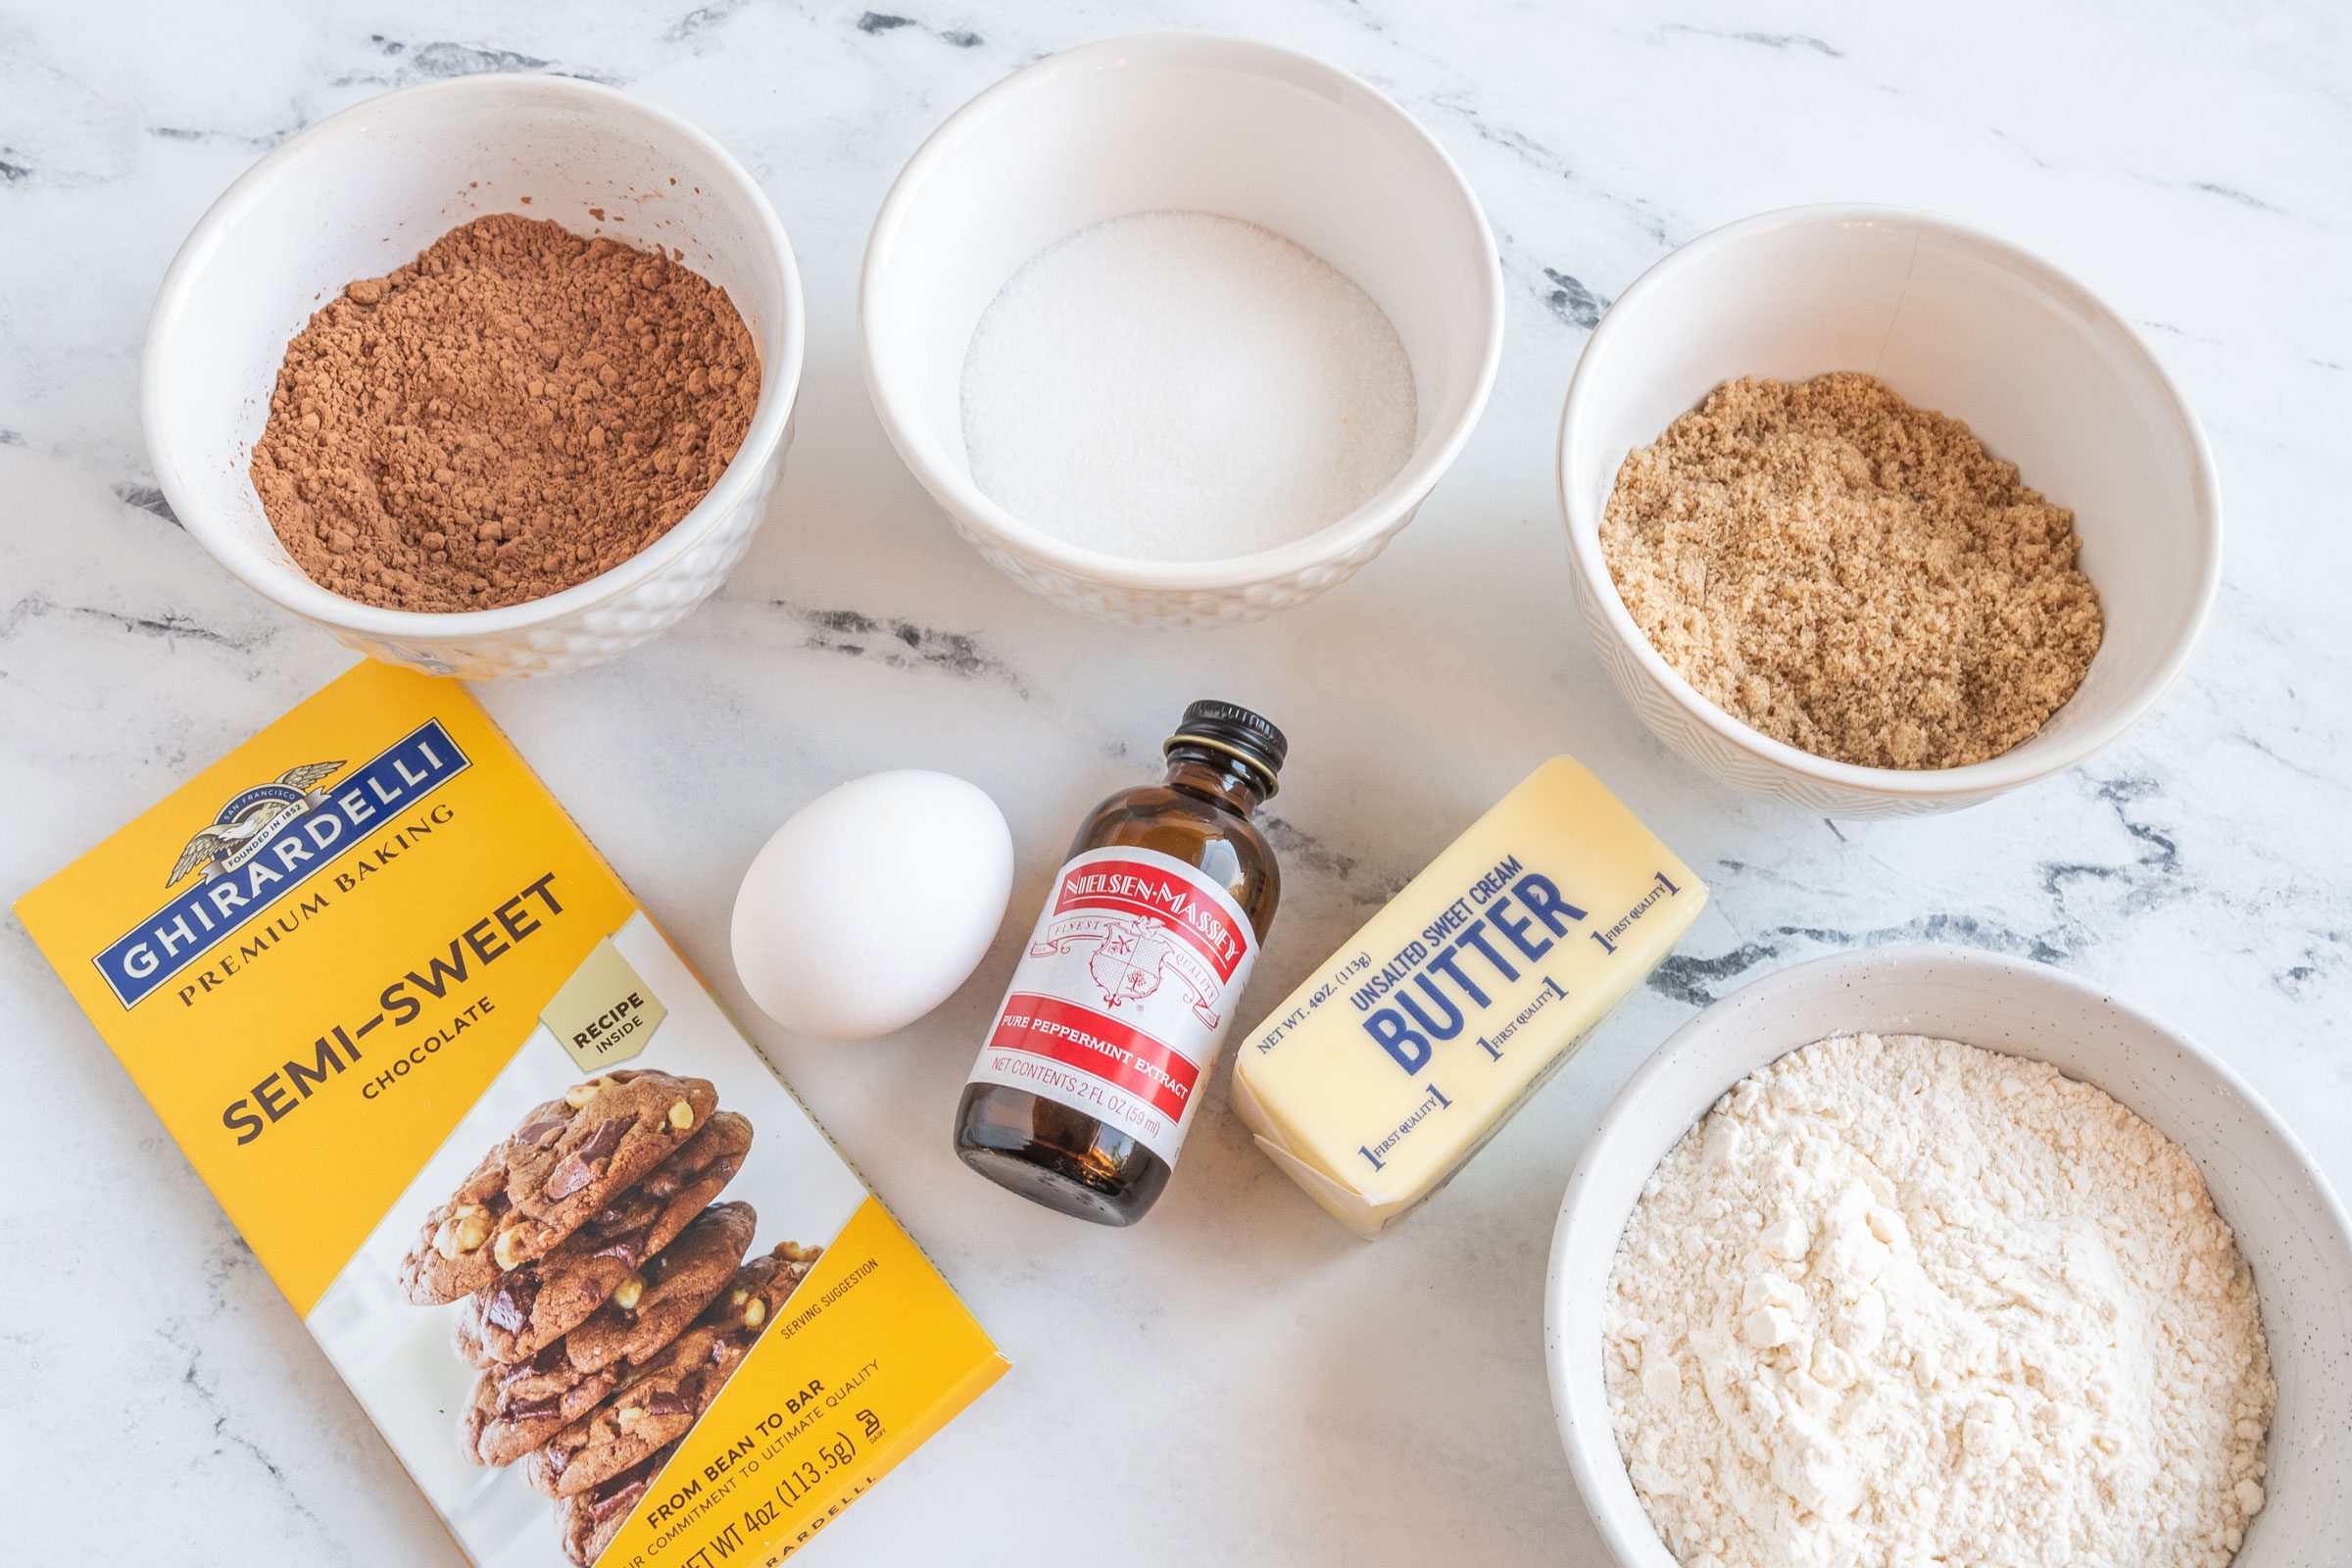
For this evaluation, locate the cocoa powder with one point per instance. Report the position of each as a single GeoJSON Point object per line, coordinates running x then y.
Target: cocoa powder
{"type": "Point", "coordinates": [509, 414]}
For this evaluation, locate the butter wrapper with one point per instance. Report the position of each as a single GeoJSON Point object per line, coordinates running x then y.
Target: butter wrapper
{"type": "Point", "coordinates": [1378, 1078]}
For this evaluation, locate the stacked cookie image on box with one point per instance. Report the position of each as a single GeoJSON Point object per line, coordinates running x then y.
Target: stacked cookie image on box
{"type": "Point", "coordinates": [605, 1297]}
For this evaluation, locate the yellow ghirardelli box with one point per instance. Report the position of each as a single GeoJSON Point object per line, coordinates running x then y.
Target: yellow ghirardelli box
{"type": "Point", "coordinates": [574, 1247]}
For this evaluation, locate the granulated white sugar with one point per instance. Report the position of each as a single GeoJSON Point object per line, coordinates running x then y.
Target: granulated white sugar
{"type": "Point", "coordinates": [1179, 386]}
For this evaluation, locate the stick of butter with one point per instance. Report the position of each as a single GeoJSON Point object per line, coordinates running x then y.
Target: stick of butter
{"type": "Point", "coordinates": [1385, 1070]}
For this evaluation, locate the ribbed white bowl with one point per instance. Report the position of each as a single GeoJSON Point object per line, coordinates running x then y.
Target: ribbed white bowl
{"type": "Point", "coordinates": [1185, 121]}
{"type": "Point", "coordinates": [364, 192]}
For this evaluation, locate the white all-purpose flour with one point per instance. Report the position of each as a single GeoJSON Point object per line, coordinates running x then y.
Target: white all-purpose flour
{"type": "Point", "coordinates": [1900, 1302]}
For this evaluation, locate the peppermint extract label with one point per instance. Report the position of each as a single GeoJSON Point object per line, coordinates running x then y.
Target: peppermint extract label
{"type": "Point", "coordinates": [1124, 994]}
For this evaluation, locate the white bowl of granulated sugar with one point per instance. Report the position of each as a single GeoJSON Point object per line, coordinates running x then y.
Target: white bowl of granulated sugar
{"type": "Point", "coordinates": [1936, 1278]}
{"type": "Point", "coordinates": [1180, 330]}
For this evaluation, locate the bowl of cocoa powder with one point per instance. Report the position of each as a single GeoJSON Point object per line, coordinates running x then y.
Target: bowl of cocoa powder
{"type": "Point", "coordinates": [1877, 514]}
{"type": "Point", "coordinates": [490, 377]}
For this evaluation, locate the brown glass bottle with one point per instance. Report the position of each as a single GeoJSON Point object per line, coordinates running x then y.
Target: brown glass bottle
{"type": "Point", "coordinates": [1092, 1071]}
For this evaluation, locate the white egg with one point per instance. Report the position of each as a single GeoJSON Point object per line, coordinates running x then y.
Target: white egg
{"type": "Point", "coordinates": [872, 904]}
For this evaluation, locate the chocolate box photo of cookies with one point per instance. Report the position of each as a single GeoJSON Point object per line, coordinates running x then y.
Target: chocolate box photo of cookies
{"type": "Point", "coordinates": [592, 1293]}
{"type": "Point", "coordinates": [552, 1218]}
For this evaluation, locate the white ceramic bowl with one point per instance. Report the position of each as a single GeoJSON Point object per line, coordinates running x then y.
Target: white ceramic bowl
{"type": "Point", "coordinates": [1192, 123]}
{"type": "Point", "coordinates": [1952, 318]}
{"type": "Point", "coordinates": [361, 193]}
{"type": "Point", "coordinates": [2290, 1227]}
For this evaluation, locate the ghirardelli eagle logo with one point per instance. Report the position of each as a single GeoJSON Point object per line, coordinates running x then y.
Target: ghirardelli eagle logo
{"type": "Point", "coordinates": [1131, 960]}
{"type": "Point", "coordinates": [250, 819]}
{"type": "Point", "coordinates": [267, 841]}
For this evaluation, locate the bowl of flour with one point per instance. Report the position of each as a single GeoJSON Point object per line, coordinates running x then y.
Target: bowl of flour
{"type": "Point", "coordinates": [1922, 1256]}
{"type": "Point", "coordinates": [1180, 330]}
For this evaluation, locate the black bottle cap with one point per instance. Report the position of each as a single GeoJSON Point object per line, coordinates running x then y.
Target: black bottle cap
{"type": "Point", "coordinates": [1238, 733]}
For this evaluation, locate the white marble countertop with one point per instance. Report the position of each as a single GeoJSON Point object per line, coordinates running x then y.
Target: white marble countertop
{"type": "Point", "coordinates": [1237, 1380]}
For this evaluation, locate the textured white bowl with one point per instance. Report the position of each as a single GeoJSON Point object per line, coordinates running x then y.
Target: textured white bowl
{"type": "Point", "coordinates": [2290, 1226]}
{"type": "Point", "coordinates": [361, 193]}
{"type": "Point", "coordinates": [1952, 318]}
{"type": "Point", "coordinates": [1185, 121]}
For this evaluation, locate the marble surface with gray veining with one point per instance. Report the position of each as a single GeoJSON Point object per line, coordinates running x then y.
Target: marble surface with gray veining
{"type": "Point", "coordinates": [1238, 1380]}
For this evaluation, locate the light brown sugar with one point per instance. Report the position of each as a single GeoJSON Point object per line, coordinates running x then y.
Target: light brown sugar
{"type": "Point", "coordinates": [1852, 576]}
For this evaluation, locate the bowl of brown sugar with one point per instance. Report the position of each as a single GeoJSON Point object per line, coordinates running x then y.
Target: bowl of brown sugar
{"type": "Point", "coordinates": [491, 376]}
{"type": "Point", "coordinates": [1875, 514]}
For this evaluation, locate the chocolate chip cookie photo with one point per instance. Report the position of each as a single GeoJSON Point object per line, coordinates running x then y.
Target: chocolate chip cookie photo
{"type": "Point", "coordinates": [559, 1293]}
{"type": "Point", "coordinates": [587, 1521]}
{"type": "Point", "coordinates": [554, 1172]}
{"type": "Point", "coordinates": [521, 1402]}
{"type": "Point", "coordinates": [596, 1288]}
{"type": "Point", "coordinates": [578, 1250]}
{"type": "Point", "coordinates": [657, 1404]}
{"type": "Point", "coordinates": [526, 1310]}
